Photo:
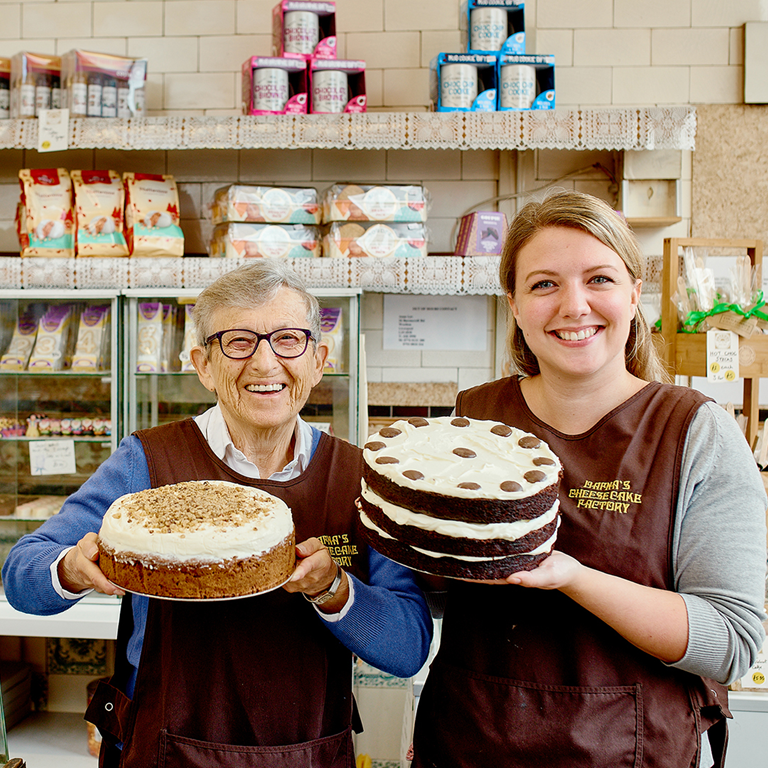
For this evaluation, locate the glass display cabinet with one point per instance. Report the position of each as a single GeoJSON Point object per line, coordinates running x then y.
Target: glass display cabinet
{"type": "Point", "coordinates": [59, 396]}
{"type": "Point", "coordinates": [161, 384]}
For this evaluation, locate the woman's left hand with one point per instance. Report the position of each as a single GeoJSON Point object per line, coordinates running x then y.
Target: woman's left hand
{"type": "Point", "coordinates": [315, 572]}
{"type": "Point", "coordinates": [555, 572]}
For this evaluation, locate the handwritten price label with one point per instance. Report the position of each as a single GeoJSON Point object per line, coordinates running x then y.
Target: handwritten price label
{"type": "Point", "coordinates": [52, 457]}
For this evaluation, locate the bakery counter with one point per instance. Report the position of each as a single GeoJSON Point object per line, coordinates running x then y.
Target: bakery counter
{"type": "Point", "coordinates": [95, 616]}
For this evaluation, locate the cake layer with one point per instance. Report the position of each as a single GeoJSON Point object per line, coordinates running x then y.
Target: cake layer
{"type": "Point", "coordinates": [462, 469]}
{"type": "Point", "coordinates": [454, 537]}
{"type": "Point", "coordinates": [455, 566]}
{"type": "Point", "coordinates": [203, 579]}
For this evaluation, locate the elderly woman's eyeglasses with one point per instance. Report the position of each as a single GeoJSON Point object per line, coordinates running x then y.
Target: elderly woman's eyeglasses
{"type": "Point", "coordinates": [239, 344]}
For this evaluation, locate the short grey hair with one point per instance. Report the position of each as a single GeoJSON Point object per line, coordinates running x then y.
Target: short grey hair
{"type": "Point", "coordinates": [248, 286]}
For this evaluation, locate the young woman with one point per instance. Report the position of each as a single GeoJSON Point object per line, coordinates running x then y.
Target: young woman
{"type": "Point", "coordinates": [607, 654]}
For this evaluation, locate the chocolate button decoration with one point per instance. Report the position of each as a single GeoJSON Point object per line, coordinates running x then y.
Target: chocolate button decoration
{"type": "Point", "coordinates": [529, 441]}
{"type": "Point", "coordinates": [534, 476]}
{"type": "Point", "coordinates": [510, 486]}
{"type": "Point", "coordinates": [374, 446]}
{"type": "Point", "coordinates": [460, 422]}
{"type": "Point", "coordinates": [387, 460]}
{"type": "Point", "coordinates": [502, 430]}
{"type": "Point", "coordinates": [469, 486]}
{"type": "Point", "coordinates": [413, 474]}
{"type": "Point", "coordinates": [417, 421]}
{"type": "Point", "coordinates": [543, 461]}
{"type": "Point", "coordinates": [465, 453]}
{"type": "Point", "coordinates": [389, 432]}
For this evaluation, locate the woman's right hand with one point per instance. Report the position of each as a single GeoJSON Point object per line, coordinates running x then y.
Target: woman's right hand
{"type": "Point", "coordinates": [79, 570]}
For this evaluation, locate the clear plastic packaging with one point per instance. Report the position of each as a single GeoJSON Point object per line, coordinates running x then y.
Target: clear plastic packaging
{"type": "Point", "coordinates": [353, 202]}
{"type": "Point", "coordinates": [242, 202]}
{"type": "Point", "coordinates": [287, 241]}
{"type": "Point", "coordinates": [370, 238]}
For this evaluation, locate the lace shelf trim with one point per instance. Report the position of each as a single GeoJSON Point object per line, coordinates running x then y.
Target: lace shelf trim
{"type": "Point", "coordinates": [430, 275]}
{"type": "Point", "coordinates": [608, 128]}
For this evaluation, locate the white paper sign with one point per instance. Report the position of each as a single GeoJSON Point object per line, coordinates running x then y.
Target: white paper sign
{"type": "Point", "coordinates": [722, 356]}
{"type": "Point", "coordinates": [52, 457]}
{"type": "Point", "coordinates": [52, 130]}
{"type": "Point", "coordinates": [435, 322]}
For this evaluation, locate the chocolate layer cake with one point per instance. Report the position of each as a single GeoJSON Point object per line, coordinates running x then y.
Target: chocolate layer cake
{"type": "Point", "coordinates": [197, 540]}
{"type": "Point", "coordinates": [460, 497]}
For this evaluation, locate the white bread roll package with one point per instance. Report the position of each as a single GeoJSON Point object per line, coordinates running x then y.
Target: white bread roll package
{"type": "Point", "coordinates": [352, 239]}
{"type": "Point", "coordinates": [280, 241]}
{"type": "Point", "coordinates": [375, 202]}
{"type": "Point", "coordinates": [152, 215]}
{"type": "Point", "coordinates": [266, 205]}
{"type": "Point", "coordinates": [46, 222]}
{"type": "Point", "coordinates": [99, 204]}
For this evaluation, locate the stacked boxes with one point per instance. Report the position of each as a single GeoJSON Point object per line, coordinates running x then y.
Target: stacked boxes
{"type": "Point", "coordinates": [303, 73]}
{"type": "Point", "coordinates": [494, 73]}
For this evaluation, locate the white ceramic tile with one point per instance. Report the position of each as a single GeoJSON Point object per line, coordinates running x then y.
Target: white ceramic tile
{"type": "Point", "coordinates": [138, 18]}
{"type": "Point", "coordinates": [254, 17]}
{"type": "Point", "coordinates": [11, 26]}
{"type": "Point", "coordinates": [9, 242]}
{"type": "Point", "coordinates": [405, 87]}
{"type": "Point", "coordinates": [199, 17]}
{"type": "Point", "coordinates": [344, 165]}
{"type": "Point", "coordinates": [611, 47]}
{"type": "Point", "coordinates": [114, 45]}
{"type": "Point", "coordinates": [565, 14]}
{"type": "Point", "coordinates": [453, 198]}
{"type": "Point", "coordinates": [461, 358]}
{"type": "Point", "coordinates": [558, 42]}
{"type": "Point", "coordinates": [380, 50]}
{"type": "Point", "coordinates": [736, 46]}
{"type": "Point", "coordinates": [376, 355]}
{"type": "Point", "coordinates": [203, 165]}
{"type": "Point", "coordinates": [423, 165]}
{"type": "Point", "coordinates": [270, 166]}
{"type": "Point", "coordinates": [717, 85]}
{"type": "Point", "coordinates": [575, 86]}
{"type": "Point", "coordinates": [419, 375]}
{"type": "Point", "coordinates": [734, 13]}
{"type": "Point", "coordinates": [172, 54]}
{"type": "Point", "coordinates": [473, 377]}
{"type": "Point", "coordinates": [678, 47]}
{"type": "Point", "coordinates": [372, 312]}
{"type": "Point", "coordinates": [56, 20]}
{"type": "Point", "coordinates": [643, 86]}
{"type": "Point", "coordinates": [356, 16]}
{"type": "Point", "coordinates": [652, 13]}
{"type": "Point", "coordinates": [138, 161]}
{"type": "Point", "coordinates": [425, 14]}
{"type": "Point", "coordinates": [439, 41]}
{"type": "Point", "coordinates": [477, 164]}
{"type": "Point", "coordinates": [15, 44]}
{"type": "Point", "coordinates": [207, 90]}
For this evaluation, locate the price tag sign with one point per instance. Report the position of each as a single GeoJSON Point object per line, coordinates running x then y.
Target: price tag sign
{"type": "Point", "coordinates": [722, 356]}
{"type": "Point", "coordinates": [52, 457]}
{"type": "Point", "coordinates": [52, 130]}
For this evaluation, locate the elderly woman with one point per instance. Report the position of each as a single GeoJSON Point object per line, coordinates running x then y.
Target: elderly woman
{"type": "Point", "coordinates": [614, 651]}
{"type": "Point", "coordinates": [265, 680]}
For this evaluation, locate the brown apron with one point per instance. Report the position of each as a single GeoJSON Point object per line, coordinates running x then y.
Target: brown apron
{"type": "Point", "coordinates": [253, 683]}
{"type": "Point", "coordinates": [526, 677]}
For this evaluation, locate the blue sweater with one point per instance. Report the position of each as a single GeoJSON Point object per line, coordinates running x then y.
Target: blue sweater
{"type": "Point", "coordinates": [388, 624]}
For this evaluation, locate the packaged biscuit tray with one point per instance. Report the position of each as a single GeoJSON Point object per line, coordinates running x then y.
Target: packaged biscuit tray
{"type": "Point", "coordinates": [351, 202]}
{"type": "Point", "coordinates": [244, 239]}
{"type": "Point", "coordinates": [372, 238]}
{"type": "Point", "coordinates": [290, 205]}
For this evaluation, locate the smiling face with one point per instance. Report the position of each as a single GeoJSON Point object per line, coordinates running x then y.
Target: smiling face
{"type": "Point", "coordinates": [574, 300]}
{"type": "Point", "coordinates": [263, 393]}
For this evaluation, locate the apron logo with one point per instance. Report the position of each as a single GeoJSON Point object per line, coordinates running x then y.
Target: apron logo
{"type": "Point", "coordinates": [340, 548]}
{"type": "Point", "coordinates": [612, 496]}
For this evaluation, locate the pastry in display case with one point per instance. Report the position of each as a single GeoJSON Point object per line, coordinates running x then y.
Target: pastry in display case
{"type": "Point", "coordinates": [58, 400]}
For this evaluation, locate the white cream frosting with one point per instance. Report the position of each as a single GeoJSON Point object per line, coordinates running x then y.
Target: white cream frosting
{"type": "Point", "coordinates": [429, 450]}
{"type": "Point", "coordinates": [197, 520]}
{"type": "Point", "coordinates": [457, 528]}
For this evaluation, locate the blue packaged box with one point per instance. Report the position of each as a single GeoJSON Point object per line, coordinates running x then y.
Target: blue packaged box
{"type": "Point", "coordinates": [463, 82]}
{"type": "Point", "coordinates": [526, 82]}
{"type": "Point", "coordinates": [493, 26]}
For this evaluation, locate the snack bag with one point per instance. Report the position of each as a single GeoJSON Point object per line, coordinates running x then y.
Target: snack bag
{"type": "Point", "coordinates": [99, 202]}
{"type": "Point", "coordinates": [52, 344]}
{"type": "Point", "coordinates": [49, 219]}
{"type": "Point", "coordinates": [190, 338]}
{"type": "Point", "coordinates": [333, 334]}
{"type": "Point", "coordinates": [17, 355]}
{"type": "Point", "coordinates": [152, 215]}
{"type": "Point", "coordinates": [92, 348]}
{"type": "Point", "coordinates": [150, 341]}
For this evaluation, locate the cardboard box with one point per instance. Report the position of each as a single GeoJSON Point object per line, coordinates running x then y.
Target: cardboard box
{"type": "Point", "coordinates": [263, 94]}
{"type": "Point", "coordinates": [481, 31]}
{"type": "Point", "coordinates": [328, 97]}
{"type": "Point", "coordinates": [296, 44]}
{"type": "Point", "coordinates": [534, 92]}
{"type": "Point", "coordinates": [481, 234]}
{"type": "Point", "coordinates": [463, 82]}
{"type": "Point", "coordinates": [16, 681]}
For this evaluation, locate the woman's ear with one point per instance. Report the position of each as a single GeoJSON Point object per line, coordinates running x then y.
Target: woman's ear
{"type": "Point", "coordinates": [512, 305]}
{"type": "Point", "coordinates": [203, 367]}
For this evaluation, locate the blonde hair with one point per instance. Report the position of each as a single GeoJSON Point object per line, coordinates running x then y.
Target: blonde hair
{"type": "Point", "coordinates": [577, 210]}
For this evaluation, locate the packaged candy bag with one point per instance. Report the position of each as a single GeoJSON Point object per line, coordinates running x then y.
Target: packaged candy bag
{"type": "Point", "coordinates": [99, 202]}
{"type": "Point", "coordinates": [48, 226]}
{"type": "Point", "coordinates": [152, 215]}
